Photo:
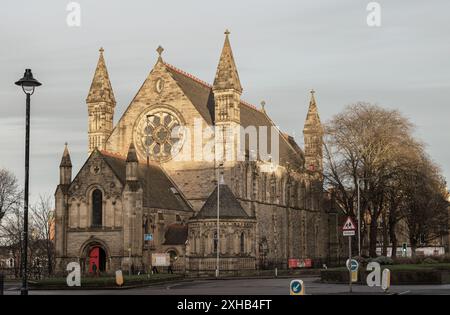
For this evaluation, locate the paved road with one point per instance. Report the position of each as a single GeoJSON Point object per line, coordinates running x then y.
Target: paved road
{"type": "Point", "coordinates": [245, 287]}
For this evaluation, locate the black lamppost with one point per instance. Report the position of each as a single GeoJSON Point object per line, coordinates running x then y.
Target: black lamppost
{"type": "Point", "coordinates": [28, 84]}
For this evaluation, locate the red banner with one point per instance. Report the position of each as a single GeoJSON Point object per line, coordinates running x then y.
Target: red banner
{"type": "Point", "coordinates": [299, 263]}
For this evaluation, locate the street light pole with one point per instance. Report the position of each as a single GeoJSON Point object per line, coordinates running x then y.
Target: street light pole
{"type": "Point", "coordinates": [218, 216]}
{"type": "Point", "coordinates": [359, 221]}
{"type": "Point", "coordinates": [28, 84]}
{"type": "Point", "coordinates": [24, 289]}
{"type": "Point", "coordinates": [219, 182]}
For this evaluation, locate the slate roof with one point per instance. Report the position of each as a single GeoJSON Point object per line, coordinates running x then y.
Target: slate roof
{"type": "Point", "coordinates": [201, 95]}
{"type": "Point", "coordinates": [229, 206]}
{"type": "Point", "coordinates": [176, 234]}
{"type": "Point", "coordinates": [157, 186]}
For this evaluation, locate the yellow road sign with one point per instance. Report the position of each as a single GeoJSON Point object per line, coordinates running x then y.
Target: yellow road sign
{"type": "Point", "coordinates": [355, 276]}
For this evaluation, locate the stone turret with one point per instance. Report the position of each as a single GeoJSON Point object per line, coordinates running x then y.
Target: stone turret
{"type": "Point", "coordinates": [101, 104]}
{"type": "Point", "coordinates": [227, 86]}
{"type": "Point", "coordinates": [227, 92]}
{"type": "Point", "coordinates": [132, 164]}
{"type": "Point", "coordinates": [65, 168]}
{"type": "Point", "coordinates": [313, 136]}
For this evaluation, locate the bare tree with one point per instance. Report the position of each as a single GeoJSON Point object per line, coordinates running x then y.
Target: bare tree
{"type": "Point", "coordinates": [365, 142]}
{"type": "Point", "coordinates": [10, 193]}
{"type": "Point", "coordinates": [425, 206]}
{"type": "Point", "coordinates": [42, 217]}
{"type": "Point", "coordinates": [10, 235]}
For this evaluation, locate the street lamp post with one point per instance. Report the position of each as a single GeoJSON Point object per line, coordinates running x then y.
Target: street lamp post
{"type": "Point", "coordinates": [28, 84]}
{"type": "Point", "coordinates": [219, 182]}
{"type": "Point", "coordinates": [359, 222]}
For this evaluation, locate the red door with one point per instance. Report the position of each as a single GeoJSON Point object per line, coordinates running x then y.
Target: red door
{"type": "Point", "coordinates": [94, 259]}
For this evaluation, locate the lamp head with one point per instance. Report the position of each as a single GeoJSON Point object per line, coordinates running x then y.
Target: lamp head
{"type": "Point", "coordinates": [28, 82]}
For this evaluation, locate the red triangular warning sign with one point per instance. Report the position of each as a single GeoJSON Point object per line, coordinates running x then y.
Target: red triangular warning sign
{"type": "Point", "coordinates": [349, 225]}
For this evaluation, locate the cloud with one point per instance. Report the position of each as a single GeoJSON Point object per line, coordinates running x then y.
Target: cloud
{"type": "Point", "coordinates": [282, 50]}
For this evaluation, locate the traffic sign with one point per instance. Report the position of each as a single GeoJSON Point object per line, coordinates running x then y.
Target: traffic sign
{"type": "Point", "coordinates": [349, 225]}
{"type": "Point", "coordinates": [296, 287]}
{"type": "Point", "coordinates": [354, 266]}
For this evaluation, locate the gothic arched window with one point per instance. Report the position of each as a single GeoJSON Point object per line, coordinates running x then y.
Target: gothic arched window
{"type": "Point", "coordinates": [97, 207]}
{"type": "Point", "coordinates": [242, 243]}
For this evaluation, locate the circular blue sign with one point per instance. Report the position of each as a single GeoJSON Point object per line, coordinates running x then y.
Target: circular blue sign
{"type": "Point", "coordinates": [296, 286]}
{"type": "Point", "coordinates": [354, 265]}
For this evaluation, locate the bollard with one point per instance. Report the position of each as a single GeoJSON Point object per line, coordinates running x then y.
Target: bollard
{"type": "Point", "coordinates": [2, 281]}
{"type": "Point", "coordinates": [386, 280]}
{"type": "Point", "coordinates": [276, 272]}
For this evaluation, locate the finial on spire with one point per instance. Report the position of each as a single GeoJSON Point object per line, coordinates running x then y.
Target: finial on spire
{"type": "Point", "coordinates": [160, 50]}
{"type": "Point", "coordinates": [101, 50]}
{"type": "Point", "coordinates": [227, 32]}
{"type": "Point", "coordinates": [65, 144]}
{"type": "Point", "coordinates": [313, 99]}
{"type": "Point", "coordinates": [263, 105]}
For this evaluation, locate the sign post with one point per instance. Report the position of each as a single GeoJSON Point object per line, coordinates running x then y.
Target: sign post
{"type": "Point", "coordinates": [349, 229]}
{"type": "Point", "coordinates": [350, 259]}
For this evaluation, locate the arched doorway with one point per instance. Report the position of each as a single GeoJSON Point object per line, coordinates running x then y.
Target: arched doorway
{"type": "Point", "coordinates": [97, 257]}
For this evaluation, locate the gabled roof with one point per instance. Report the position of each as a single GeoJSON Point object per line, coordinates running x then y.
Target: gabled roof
{"type": "Point", "coordinates": [229, 206]}
{"type": "Point", "coordinates": [198, 92]}
{"type": "Point", "coordinates": [201, 95]}
{"type": "Point", "coordinates": [158, 190]}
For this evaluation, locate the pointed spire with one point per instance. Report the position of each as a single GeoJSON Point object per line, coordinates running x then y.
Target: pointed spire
{"type": "Point", "coordinates": [65, 161]}
{"type": "Point", "coordinates": [101, 89]}
{"type": "Point", "coordinates": [312, 118]}
{"type": "Point", "coordinates": [227, 76]}
{"type": "Point", "coordinates": [131, 156]}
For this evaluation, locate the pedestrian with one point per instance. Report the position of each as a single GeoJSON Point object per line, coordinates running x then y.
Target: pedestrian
{"type": "Point", "coordinates": [154, 270]}
{"type": "Point", "coordinates": [94, 269]}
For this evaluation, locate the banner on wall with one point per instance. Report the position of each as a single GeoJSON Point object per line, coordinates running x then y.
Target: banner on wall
{"type": "Point", "coordinates": [299, 263]}
{"type": "Point", "coordinates": [160, 260]}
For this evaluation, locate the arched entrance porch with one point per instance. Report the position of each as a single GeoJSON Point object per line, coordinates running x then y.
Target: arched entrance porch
{"type": "Point", "coordinates": [95, 257]}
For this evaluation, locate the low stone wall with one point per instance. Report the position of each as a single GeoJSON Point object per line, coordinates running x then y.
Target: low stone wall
{"type": "Point", "coordinates": [398, 277]}
{"type": "Point", "coordinates": [196, 264]}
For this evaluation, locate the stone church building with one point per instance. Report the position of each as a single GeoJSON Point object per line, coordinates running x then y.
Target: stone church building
{"type": "Point", "coordinates": [134, 196]}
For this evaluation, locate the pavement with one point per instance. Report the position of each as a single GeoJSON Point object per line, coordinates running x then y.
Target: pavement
{"type": "Point", "coordinates": [274, 286]}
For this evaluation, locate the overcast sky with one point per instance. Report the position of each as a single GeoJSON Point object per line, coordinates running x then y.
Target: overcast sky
{"type": "Point", "coordinates": [282, 50]}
